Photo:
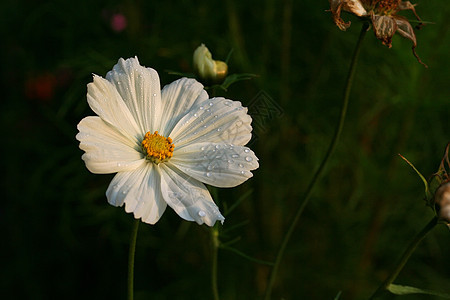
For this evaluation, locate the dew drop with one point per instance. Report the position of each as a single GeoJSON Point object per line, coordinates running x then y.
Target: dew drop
{"type": "Point", "coordinates": [227, 103]}
{"type": "Point", "coordinates": [208, 174]}
{"type": "Point", "coordinates": [119, 164]}
{"type": "Point", "coordinates": [216, 116]}
{"type": "Point", "coordinates": [219, 129]}
{"type": "Point", "coordinates": [196, 115]}
{"type": "Point", "coordinates": [202, 148]}
{"type": "Point", "coordinates": [248, 158]}
{"type": "Point", "coordinates": [201, 213]}
{"type": "Point", "coordinates": [209, 167]}
{"type": "Point", "coordinates": [208, 110]}
{"type": "Point", "coordinates": [246, 150]}
{"type": "Point", "coordinates": [124, 192]}
{"type": "Point", "coordinates": [241, 165]}
{"type": "Point", "coordinates": [119, 83]}
{"type": "Point", "coordinates": [235, 155]}
{"type": "Point", "coordinates": [242, 172]}
{"type": "Point", "coordinates": [154, 95]}
{"type": "Point", "coordinates": [201, 107]}
{"type": "Point", "coordinates": [217, 146]}
{"type": "Point", "coordinates": [211, 104]}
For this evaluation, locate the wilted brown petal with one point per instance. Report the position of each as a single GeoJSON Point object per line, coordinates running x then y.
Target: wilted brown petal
{"type": "Point", "coordinates": [384, 28]}
{"type": "Point", "coordinates": [405, 29]}
{"type": "Point", "coordinates": [352, 6]}
{"type": "Point", "coordinates": [404, 5]}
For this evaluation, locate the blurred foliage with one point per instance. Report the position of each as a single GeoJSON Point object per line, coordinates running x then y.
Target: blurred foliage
{"type": "Point", "coordinates": [61, 240]}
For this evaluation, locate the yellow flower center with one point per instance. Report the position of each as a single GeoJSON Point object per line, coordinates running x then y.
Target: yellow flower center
{"type": "Point", "coordinates": [157, 148]}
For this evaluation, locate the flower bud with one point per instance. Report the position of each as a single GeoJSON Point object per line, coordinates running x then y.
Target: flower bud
{"type": "Point", "coordinates": [209, 71]}
{"type": "Point", "coordinates": [442, 201]}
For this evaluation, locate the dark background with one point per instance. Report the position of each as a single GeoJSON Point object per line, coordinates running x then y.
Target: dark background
{"type": "Point", "coordinates": [62, 240]}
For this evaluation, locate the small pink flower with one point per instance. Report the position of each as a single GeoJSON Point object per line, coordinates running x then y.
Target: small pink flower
{"type": "Point", "coordinates": [118, 22]}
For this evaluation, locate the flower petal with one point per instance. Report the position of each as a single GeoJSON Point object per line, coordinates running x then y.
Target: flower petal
{"type": "Point", "coordinates": [188, 197]}
{"type": "Point", "coordinates": [107, 149]}
{"type": "Point", "coordinates": [106, 102]}
{"type": "Point", "coordinates": [140, 190]}
{"type": "Point", "coordinates": [351, 6]}
{"type": "Point", "coordinates": [405, 29]}
{"type": "Point", "coordinates": [140, 90]}
{"type": "Point", "coordinates": [178, 98]}
{"type": "Point", "coordinates": [216, 120]}
{"type": "Point", "coordinates": [219, 165]}
{"type": "Point", "coordinates": [384, 28]}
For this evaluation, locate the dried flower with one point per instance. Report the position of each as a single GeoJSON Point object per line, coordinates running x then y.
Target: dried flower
{"type": "Point", "coordinates": [383, 17]}
{"type": "Point", "coordinates": [442, 199]}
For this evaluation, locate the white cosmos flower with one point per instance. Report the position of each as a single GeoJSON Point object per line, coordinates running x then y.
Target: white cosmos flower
{"type": "Point", "coordinates": [164, 144]}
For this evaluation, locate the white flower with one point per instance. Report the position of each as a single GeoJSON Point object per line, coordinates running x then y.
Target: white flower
{"type": "Point", "coordinates": [164, 143]}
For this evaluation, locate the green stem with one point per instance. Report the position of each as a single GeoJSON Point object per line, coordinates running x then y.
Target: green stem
{"type": "Point", "coordinates": [319, 171]}
{"type": "Point", "coordinates": [405, 257]}
{"type": "Point", "coordinates": [131, 255]}
{"type": "Point", "coordinates": [215, 249]}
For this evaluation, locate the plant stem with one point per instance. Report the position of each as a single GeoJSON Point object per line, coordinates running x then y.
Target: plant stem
{"type": "Point", "coordinates": [131, 255]}
{"type": "Point", "coordinates": [215, 249]}
{"type": "Point", "coordinates": [405, 257]}
{"type": "Point", "coordinates": [319, 171]}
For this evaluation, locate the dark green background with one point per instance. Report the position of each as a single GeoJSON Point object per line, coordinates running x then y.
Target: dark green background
{"type": "Point", "coordinates": [62, 240]}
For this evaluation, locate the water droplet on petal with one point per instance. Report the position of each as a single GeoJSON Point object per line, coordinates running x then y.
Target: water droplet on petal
{"type": "Point", "coordinates": [201, 107]}
{"type": "Point", "coordinates": [241, 165]}
{"type": "Point", "coordinates": [219, 129]}
{"type": "Point", "coordinates": [235, 155]}
{"type": "Point", "coordinates": [208, 110]}
{"type": "Point", "coordinates": [248, 158]}
{"type": "Point", "coordinates": [154, 95]}
{"type": "Point", "coordinates": [211, 104]}
{"type": "Point", "coordinates": [195, 115]}
{"type": "Point", "coordinates": [246, 150]}
{"type": "Point", "coordinates": [208, 174]}
{"type": "Point", "coordinates": [227, 103]}
{"type": "Point", "coordinates": [202, 148]}
{"type": "Point", "coordinates": [119, 164]}
{"type": "Point", "coordinates": [242, 172]}
{"type": "Point", "coordinates": [217, 146]}
{"type": "Point", "coordinates": [201, 213]}
{"type": "Point", "coordinates": [215, 116]}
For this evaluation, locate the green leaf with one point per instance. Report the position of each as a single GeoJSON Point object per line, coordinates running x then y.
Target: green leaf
{"type": "Point", "coordinates": [235, 78]}
{"type": "Point", "coordinates": [181, 74]}
{"type": "Point", "coordinates": [248, 257]}
{"type": "Point", "coordinates": [427, 189]}
{"type": "Point", "coordinates": [407, 290]}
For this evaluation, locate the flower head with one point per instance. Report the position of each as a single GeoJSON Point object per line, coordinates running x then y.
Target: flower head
{"type": "Point", "coordinates": [383, 16]}
{"type": "Point", "coordinates": [208, 70]}
{"type": "Point", "coordinates": [164, 144]}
